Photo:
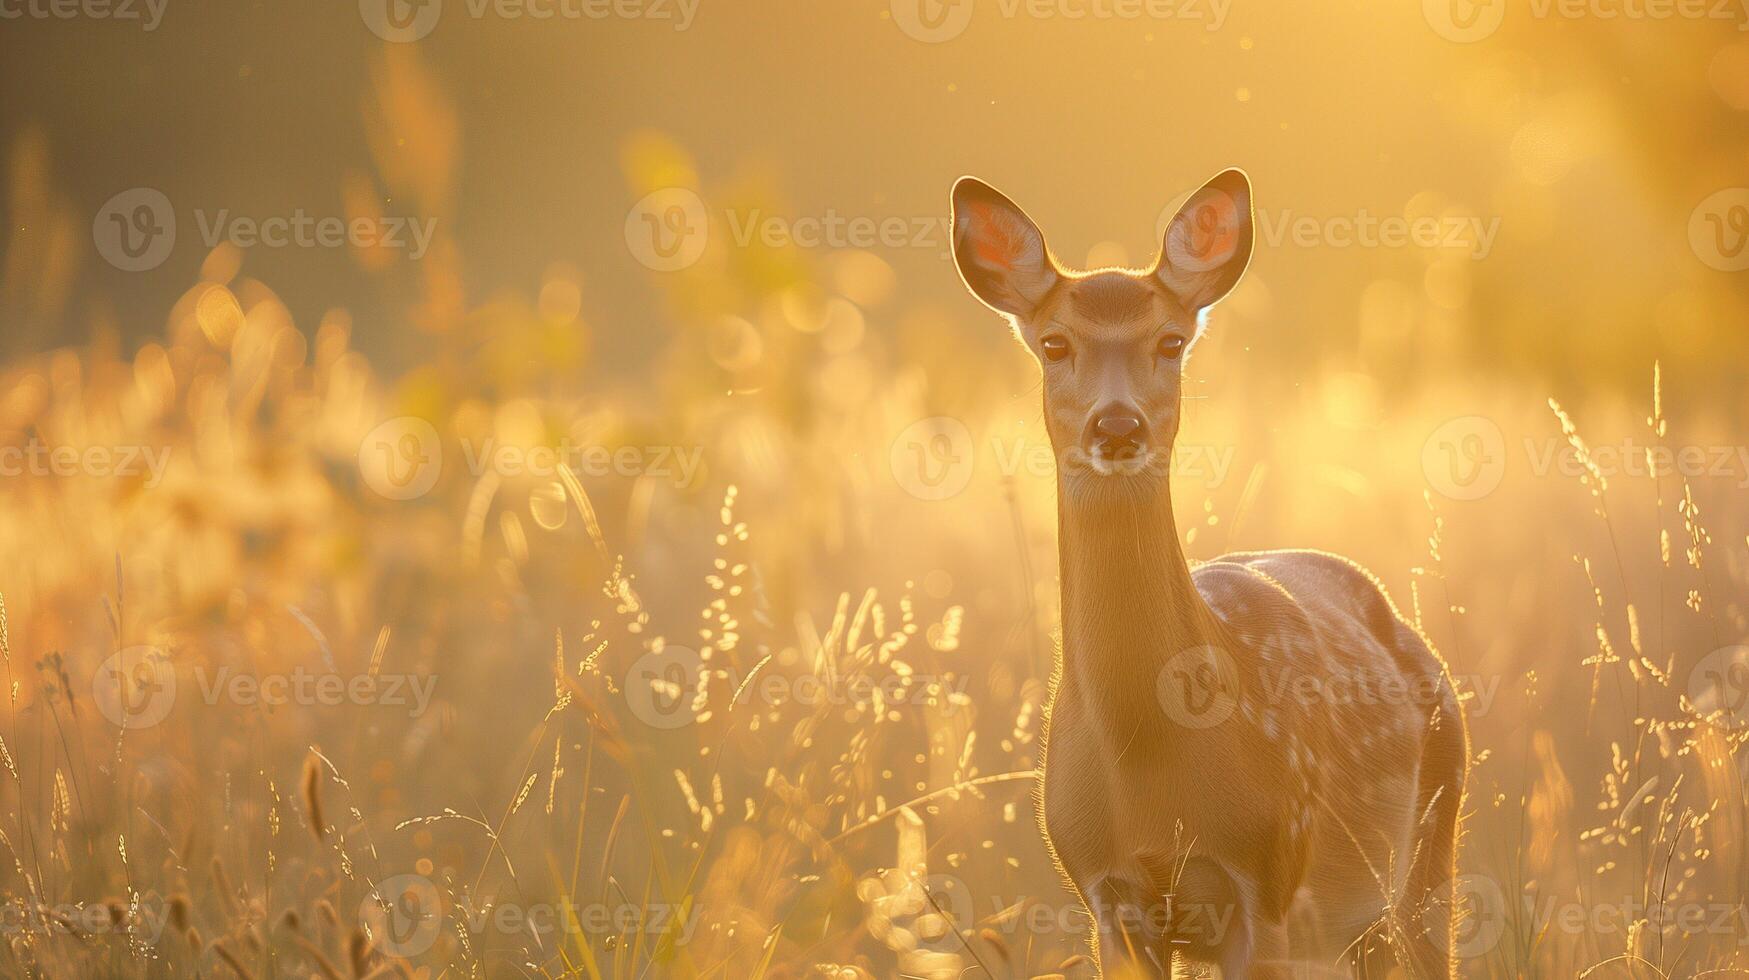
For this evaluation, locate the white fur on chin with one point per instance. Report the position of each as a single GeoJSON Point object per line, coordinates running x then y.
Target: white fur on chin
{"type": "Point", "coordinates": [1123, 467]}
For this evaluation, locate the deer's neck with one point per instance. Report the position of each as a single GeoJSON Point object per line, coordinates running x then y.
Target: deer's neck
{"type": "Point", "coordinates": [1128, 606]}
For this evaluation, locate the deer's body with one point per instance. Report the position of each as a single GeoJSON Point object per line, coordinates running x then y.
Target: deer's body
{"type": "Point", "coordinates": [1248, 763]}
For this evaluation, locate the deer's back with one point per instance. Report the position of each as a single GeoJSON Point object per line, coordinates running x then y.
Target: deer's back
{"type": "Point", "coordinates": [1327, 666]}
{"type": "Point", "coordinates": [1339, 682]}
{"type": "Point", "coordinates": [1316, 603]}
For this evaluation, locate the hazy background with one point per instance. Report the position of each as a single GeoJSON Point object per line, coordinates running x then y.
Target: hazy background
{"type": "Point", "coordinates": [1465, 418]}
{"type": "Point", "coordinates": [1590, 140]}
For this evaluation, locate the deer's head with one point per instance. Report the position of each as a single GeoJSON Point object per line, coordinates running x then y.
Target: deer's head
{"type": "Point", "coordinates": [1111, 343]}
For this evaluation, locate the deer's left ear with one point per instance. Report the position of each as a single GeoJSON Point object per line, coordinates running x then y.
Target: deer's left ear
{"type": "Point", "coordinates": [1208, 243]}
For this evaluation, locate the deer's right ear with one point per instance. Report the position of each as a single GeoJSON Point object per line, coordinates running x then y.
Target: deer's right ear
{"type": "Point", "coordinates": [1000, 253]}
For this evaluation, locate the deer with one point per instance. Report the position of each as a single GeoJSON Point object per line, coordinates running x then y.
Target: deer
{"type": "Point", "coordinates": [1254, 762]}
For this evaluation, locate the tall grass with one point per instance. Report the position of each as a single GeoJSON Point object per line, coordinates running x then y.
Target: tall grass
{"type": "Point", "coordinates": [858, 674]}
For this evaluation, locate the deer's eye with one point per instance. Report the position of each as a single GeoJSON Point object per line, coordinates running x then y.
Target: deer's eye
{"type": "Point", "coordinates": [1055, 348]}
{"type": "Point", "coordinates": [1172, 348]}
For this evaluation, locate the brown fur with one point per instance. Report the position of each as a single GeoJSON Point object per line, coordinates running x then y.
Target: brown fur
{"type": "Point", "coordinates": [1227, 775]}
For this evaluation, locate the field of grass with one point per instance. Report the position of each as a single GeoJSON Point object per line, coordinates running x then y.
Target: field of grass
{"type": "Point", "coordinates": [341, 675]}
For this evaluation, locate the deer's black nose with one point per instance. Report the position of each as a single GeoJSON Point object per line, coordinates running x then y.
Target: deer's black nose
{"type": "Point", "coordinates": [1118, 433]}
{"type": "Point", "coordinates": [1120, 427]}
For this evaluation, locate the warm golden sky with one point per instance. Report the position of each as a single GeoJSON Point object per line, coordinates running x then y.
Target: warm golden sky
{"type": "Point", "coordinates": [1579, 144]}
